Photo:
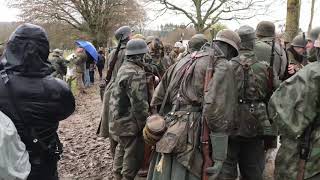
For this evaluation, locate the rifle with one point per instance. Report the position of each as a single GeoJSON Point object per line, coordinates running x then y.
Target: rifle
{"type": "Point", "coordinates": [271, 75]}
{"type": "Point", "coordinates": [305, 147]}
{"type": "Point", "coordinates": [205, 138]}
{"type": "Point", "coordinates": [113, 62]}
{"type": "Point", "coordinates": [110, 70]}
{"type": "Point", "coordinates": [305, 55]}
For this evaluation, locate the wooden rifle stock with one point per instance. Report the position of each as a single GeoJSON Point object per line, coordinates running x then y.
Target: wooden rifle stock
{"type": "Point", "coordinates": [113, 62]}
{"type": "Point", "coordinates": [301, 168]}
{"type": "Point", "coordinates": [304, 150]}
{"type": "Point", "coordinates": [271, 75]}
{"type": "Point", "coordinates": [205, 138]}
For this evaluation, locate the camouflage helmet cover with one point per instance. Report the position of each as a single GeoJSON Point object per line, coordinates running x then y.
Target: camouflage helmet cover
{"type": "Point", "coordinates": [136, 46]}
{"type": "Point", "coordinates": [138, 36]}
{"type": "Point", "coordinates": [123, 32]}
{"type": "Point", "coordinates": [149, 39]}
{"type": "Point", "coordinates": [229, 37]}
{"type": "Point", "coordinates": [265, 29]}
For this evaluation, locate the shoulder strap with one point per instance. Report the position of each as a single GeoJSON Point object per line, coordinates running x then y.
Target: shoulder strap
{"type": "Point", "coordinates": [178, 77]}
{"type": "Point", "coordinates": [245, 64]}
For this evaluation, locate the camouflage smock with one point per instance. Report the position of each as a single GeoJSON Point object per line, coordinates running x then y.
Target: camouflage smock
{"type": "Point", "coordinates": [222, 108]}
{"type": "Point", "coordinates": [129, 100]}
{"type": "Point", "coordinates": [103, 129]}
{"type": "Point", "coordinates": [293, 107]}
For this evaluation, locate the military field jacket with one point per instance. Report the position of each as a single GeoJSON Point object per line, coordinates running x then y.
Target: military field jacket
{"type": "Point", "coordinates": [293, 107]}
{"type": "Point", "coordinates": [129, 101]}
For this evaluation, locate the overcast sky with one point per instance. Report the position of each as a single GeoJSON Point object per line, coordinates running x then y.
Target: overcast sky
{"type": "Point", "coordinates": [278, 14]}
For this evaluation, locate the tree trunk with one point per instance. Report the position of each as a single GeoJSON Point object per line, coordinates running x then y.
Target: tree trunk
{"type": "Point", "coordinates": [293, 16]}
{"type": "Point", "coordinates": [311, 15]}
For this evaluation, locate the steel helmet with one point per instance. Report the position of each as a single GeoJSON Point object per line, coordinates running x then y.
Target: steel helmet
{"type": "Point", "coordinates": [314, 33]}
{"type": "Point", "coordinates": [197, 41]}
{"type": "Point", "coordinates": [299, 41]}
{"type": "Point", "coordinates": [123, 32]}
{"type": "Point", "coordinates": [229, 37]}
{"type": "Point", "coordinates": [135, 47]}
{"type": "Point", "coordinates": [266, 29]}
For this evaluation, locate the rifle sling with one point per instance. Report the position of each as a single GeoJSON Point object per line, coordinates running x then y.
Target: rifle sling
{"type": "Point", "coordinates": [177, 78]}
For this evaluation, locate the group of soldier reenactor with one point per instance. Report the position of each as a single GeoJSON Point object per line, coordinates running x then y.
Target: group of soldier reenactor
{"type": "Point", "coordinates": [217, 110]}
{"type": "Point", "coordinates": [211, 111]}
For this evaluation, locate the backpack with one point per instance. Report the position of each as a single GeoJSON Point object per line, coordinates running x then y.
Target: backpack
{"type": "Point", "coordinates": [254, 89]}
{"type": "Point", "coordinates": [14, 158]}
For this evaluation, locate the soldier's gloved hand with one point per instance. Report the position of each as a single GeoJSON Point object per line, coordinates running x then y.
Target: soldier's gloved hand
{"type": "Point", "coordinates": [214, 171]}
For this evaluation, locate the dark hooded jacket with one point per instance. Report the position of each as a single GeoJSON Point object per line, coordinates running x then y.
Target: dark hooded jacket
{"type": "Point", "coordinates": [41, 101]}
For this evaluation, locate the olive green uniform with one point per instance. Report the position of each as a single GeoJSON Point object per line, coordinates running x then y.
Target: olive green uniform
{"type": "Point", "coordinates": [59, 65]}
{"type": "Point", "coordinates": [263, 48]}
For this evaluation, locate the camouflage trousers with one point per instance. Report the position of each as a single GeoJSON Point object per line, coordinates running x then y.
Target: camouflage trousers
{"type": "Point", "coordinates": [249, 154]}
{"type": "Point", "coordinates": [286, 165]}
{"type": "Point", "coordinates": [80, 84]}
{"type": "Point", "coordinates": [128, 157]}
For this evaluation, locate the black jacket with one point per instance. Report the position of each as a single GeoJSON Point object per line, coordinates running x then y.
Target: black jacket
{"type": "Point", "coordinates": [41, 101]}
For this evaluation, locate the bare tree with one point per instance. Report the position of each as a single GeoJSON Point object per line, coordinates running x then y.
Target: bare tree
{"type": "Point", "coordinates": [205, 13]}
{"type": "Point", "coordinates": [311, 15]}
{"type": "Point", "coordinates": [95, 17]}
{"type": "Point", "coordinates": [293, 17]}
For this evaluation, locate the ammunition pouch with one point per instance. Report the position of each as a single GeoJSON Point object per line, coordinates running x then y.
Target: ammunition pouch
{"type": "Point", "coordinates": [219, 143]}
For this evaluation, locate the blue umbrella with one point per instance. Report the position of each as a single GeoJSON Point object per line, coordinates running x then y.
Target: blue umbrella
{"type": "Point", "coordinates": [89, 48]}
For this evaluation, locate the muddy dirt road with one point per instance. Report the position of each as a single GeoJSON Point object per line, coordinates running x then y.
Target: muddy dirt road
{"type": "Point", "coordinates": [85, 155]}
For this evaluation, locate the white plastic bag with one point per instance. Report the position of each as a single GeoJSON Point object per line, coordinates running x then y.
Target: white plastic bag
{"type": "Point", "coordinates": [14, 158]}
